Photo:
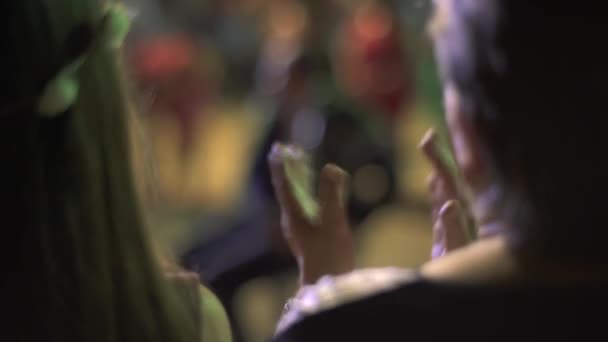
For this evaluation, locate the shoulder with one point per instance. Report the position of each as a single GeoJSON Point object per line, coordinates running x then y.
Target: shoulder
{"type": "Point", "coordinates": [485, 262]}
{"type": "Point", "coordinates": [208, 312]}
{"type": "Point", "coordinates": [216, 326]}
{"type": "Point", "coordinates": [384, 297]}
{"type": "Point", "coordinates": [403, 308]}
{"type": "Point", "coordinates": [332, 291]}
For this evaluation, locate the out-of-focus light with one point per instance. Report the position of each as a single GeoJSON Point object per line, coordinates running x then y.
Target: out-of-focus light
{"type": "Point", "coordinates": [308, 128]}
{"type": "Point", "coordinates": [373, 22]}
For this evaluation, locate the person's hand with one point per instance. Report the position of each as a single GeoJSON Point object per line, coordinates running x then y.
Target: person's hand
{"type": "Point", "coordinates": [323, 246]}
{"type": "Point", "coordinates": [450, 229]}
{"type": "Point", "coordinates": [452, 225]}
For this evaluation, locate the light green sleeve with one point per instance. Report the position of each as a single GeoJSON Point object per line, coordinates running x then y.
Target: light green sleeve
{"type": "Point", "coordinates": [216, 326]}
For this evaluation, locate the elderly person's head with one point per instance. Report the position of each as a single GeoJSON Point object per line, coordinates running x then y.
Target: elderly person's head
{"type": "Point", "coordinates": [525, 99]}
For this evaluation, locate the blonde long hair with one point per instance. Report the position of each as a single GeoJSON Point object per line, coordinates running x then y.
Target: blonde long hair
{"type": "Point", "coordinates": [81, 267]}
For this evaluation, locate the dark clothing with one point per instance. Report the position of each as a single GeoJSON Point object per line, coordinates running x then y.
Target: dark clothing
{"type": "Point", "coordinates": [425, 311]}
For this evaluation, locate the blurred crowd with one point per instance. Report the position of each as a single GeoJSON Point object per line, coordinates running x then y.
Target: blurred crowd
{"type": "Point", "coordinates": [245, 170]}
{"type": "Point", "coordinates": [338, 78]}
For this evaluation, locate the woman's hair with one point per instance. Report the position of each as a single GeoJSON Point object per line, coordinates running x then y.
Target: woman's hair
{"type": "Point", "coordinates": [533, 76]}
{"type": "Point", "coordinates": [76, 258]}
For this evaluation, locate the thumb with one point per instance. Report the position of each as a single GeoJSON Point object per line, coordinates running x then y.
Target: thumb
{"type": "Point", "coordinates": [333, 194]}
{"type": "Point", "coordinates": [453, 220]}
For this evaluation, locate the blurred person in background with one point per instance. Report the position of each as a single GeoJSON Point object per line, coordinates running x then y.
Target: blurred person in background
{"type": "Point", "coordinates": [370, 61]}
{"type": "Point", "coordinates": [373, 71]}
{"type": "Point", "coordinates": [231, 26]}
{"type": "Point", "coordinates": [249, 245]}
{"type": "Point", "coordinates": [179, 80]}
{"type": "Point", "coordinates": [303, 107]}
{"type": "Point", "coordinates": [534, 178]}
{"type": "Point", "coordinates": [79, 263]}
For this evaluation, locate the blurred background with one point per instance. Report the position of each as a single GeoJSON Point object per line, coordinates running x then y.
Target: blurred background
{"type": "Point", "coordinates": [215, 82]}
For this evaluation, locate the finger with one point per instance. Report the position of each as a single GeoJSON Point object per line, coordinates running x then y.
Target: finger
{"type": "Point", "coordinates": [431, 181]}
{"type": "Point", "coordinates": [333, 194]}
{"type": "Point", "coordinates": [428, 145]}
{"type": "Point", "coordinates": [432, 185]}
{"type": "Point", "coordinates": [438, 231]}
{"type": "Point", "coordinates": [438, 247]}
{"type": "Point", "coordinates": [441, 194]}
{"type": "Point", "coordinates": [287, 201]}
{"type": "Point", "coordinates": [430, 148]}
{"type": "Point", "coordinates": [438, 194]}
{"type": "Point", "coordinates": [453, 222]}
